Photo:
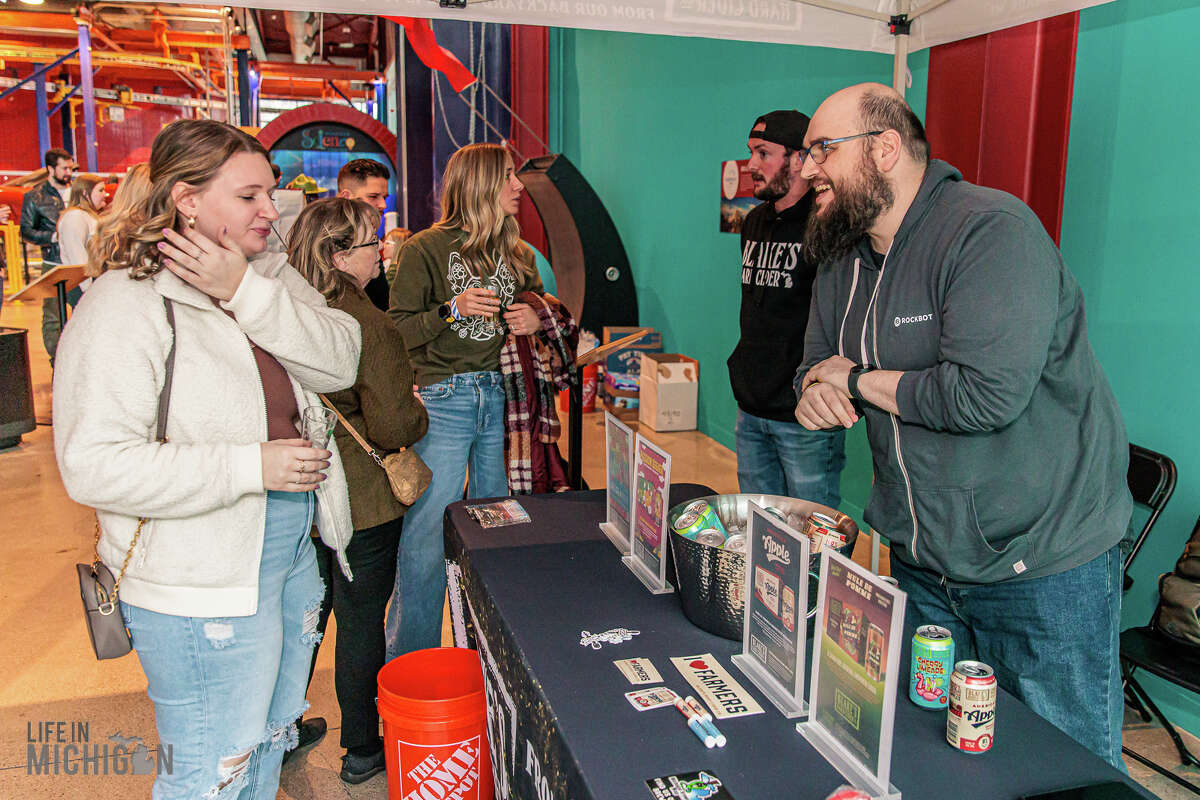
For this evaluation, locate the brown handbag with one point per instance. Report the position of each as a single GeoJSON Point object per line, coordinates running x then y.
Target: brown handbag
{"type": "Point", "coordinates": [407, 474]}
{"type": "Point", "coordinates": [97, 587]}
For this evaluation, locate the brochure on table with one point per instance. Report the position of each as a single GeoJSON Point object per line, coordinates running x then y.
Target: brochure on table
{"type": "Point", "coordinates": [648, 514]}
{"type": "Point", "coordinates": [774, 624]}
{"type": "Point", "coordinates": [618, 440]}
{"type": "Point", "coordinates": [855, 672]}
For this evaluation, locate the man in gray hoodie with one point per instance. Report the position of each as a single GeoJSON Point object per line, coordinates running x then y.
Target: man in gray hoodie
{"type": "Point", "coordinates": [946, 317]}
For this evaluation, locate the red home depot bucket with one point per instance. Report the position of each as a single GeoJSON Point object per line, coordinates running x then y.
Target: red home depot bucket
{"type": "Point", "coordinates": [435, 726]}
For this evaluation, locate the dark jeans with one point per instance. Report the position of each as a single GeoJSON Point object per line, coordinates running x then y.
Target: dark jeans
{"type": "Point", "coordinates": [52, 325]}
{"type": "Point", "coordinates": [359, 606]}
{"type": "Point", "coordinates": [1053, 641]}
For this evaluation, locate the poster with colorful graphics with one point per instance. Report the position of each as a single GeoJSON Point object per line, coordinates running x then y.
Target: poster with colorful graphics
{"type": "Point", "coordinates": [648, 512]}
{"type": "Point", "coordinates": [619, 446]}
{"type": "Point", "coordinates": [856, 668]}
{"type": "Point", "coordinates": [773, 623]}
{"type": "Point", "coordinates": [737, 194]}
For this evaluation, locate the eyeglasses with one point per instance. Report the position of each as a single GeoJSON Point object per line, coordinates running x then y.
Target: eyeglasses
{"type": "Point", "coordinates": [819, 150]}
{"type": "Point", "coordinates": [373, 243]}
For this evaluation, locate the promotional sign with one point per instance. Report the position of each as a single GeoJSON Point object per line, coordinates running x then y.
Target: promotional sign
{"type": "Point", "coordinates": [737, 194]}
{"type": "Point", "coordinates": [647, 557]}
{"type": "Point", "coordinates": [856, 668]}
{"type": "Point", "coordinates": [619, 446]}
{"type": "Point", "coordinates": [773, 625]}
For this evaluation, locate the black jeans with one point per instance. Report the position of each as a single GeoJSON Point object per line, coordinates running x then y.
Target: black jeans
{"type": "Point", "coordinates": [359, 606]}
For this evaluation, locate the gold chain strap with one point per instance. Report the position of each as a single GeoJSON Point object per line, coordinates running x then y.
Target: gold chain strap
{"type": "Point", "coordinates": [108, 606]}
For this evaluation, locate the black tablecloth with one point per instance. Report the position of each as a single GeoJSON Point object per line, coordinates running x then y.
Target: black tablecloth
{"type": "Point", "coordinates": [558, 716]}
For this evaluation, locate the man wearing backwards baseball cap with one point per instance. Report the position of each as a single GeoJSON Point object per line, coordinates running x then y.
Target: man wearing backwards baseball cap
{"type": "Point", "coordinates": [775, 454]}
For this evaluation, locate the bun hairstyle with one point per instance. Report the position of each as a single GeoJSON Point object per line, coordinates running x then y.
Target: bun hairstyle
{"type": "Point", "coordinates": [188, 151]}
{"type": "Point", "coordinates": [471, 201]}
{"type": "Point", "coordinates": [322, 229]}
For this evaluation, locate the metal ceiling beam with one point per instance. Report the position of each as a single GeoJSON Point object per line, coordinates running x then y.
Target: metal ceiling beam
{"type": "Point", "coordinates": [318, 72]}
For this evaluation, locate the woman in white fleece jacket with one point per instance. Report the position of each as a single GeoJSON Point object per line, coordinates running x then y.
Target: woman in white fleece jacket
{"type": "Point", "coordinates": [221, 592]}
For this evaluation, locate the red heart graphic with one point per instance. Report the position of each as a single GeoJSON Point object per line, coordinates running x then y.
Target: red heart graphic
{"type": "Point", "coordinates": [698, 664]}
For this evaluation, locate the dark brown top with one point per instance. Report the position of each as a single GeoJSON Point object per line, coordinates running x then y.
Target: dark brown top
{"type": "Point", "coordinates": [283, 416]}
{"type": "Point", "coordinates": [382, 408]}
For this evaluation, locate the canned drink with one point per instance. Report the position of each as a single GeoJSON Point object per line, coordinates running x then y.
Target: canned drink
{"type": "Point", "coordinates": [710, 537]}
{"type": "Point", "coordinates": [736, 543]}
{"type": "Point", "coordinates": [852, 633]}
{"type": "Point", "coordinates": [971, 720]}
{"type": "Point", "coordinates": [822, 531]}
{"type": "Point", "coordinates": [776, 513]}
{"type": "Point", "coordinates": [833, 621]}
{"type": "Point", "coordinates": [706, 516]}
{"type": "Point", "coordinates": [688, 524]}
{"type": "Point", "coordinates": [875, 655]}
{"type": "Point", "coordinates": [932, 663]}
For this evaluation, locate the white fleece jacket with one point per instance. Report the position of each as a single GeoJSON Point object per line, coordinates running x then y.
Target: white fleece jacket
{"type": "Point", "coordinates": [202, 491]}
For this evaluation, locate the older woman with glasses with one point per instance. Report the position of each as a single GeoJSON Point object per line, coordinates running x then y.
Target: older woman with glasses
{"type": "Point", "coordinates": [333, 245]}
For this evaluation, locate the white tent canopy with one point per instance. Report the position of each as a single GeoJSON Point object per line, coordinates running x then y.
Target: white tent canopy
{"type": "Point", "coordinates": [846, 24]}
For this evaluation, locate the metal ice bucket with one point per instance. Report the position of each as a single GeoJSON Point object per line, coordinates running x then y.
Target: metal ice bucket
{"type": "Point", "coordinates": [712, 580]}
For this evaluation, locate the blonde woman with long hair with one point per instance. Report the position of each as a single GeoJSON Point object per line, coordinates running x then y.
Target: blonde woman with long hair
{"type": "Point", "coordinates": [127, 201]}
{"type": "Point", "coordinates": [208, 526]}
{"type": "Point", "coordinates": [453, 300]}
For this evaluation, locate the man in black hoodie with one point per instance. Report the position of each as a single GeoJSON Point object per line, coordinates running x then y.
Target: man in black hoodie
{"type": "Point", "coordinates": [775, 454]}
{"type": "Point", "coordinates": [947, 315]}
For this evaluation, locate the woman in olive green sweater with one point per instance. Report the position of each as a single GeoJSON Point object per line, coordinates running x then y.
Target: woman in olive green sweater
{"type": "Point", "coordinates": [333, 245]}
{"type": "Point", "coordinates": [453, 299]}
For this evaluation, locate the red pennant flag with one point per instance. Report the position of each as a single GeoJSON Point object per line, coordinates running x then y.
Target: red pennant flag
{"type": "Point", "coordinates": [432, 54]}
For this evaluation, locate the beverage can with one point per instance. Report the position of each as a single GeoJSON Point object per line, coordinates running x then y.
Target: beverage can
{"type": "Point", "coordinates": [971, 718]}
{"type": "Point", "coordinates": [711, 537]}
{"type": "Point", "coordinates": [932, 663]}
{"type": "Point", "coordinates": [736, 543]}
{"type": "Point", "coordinates": [706, 516]}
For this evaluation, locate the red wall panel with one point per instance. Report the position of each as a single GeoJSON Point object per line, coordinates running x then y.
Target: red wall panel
{"type": "Point", "coordinates": [999, 109]}
{"type": "Point", "coordinates": [530, 62]}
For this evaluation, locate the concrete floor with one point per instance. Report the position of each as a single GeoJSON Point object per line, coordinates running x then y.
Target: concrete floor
{"type": "Point", "coordinates": [51, 676]}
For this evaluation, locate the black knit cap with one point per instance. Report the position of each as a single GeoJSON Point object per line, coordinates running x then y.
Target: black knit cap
{"type": "Point", "coordinates": [782, 127]}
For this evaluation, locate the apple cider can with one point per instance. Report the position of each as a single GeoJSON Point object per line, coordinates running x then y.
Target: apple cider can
{"type": "Point", "coordinates": [971, 719]}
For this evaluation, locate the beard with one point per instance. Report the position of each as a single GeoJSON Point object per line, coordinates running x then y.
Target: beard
{"type": "Point", "coordinates": [830, 236]}
{"type": "Point", "coordinates": [778, 186]}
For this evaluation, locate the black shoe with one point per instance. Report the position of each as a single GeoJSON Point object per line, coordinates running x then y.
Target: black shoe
{"type": "Point", "coordinates": [356, 769]}
{"type": "Point", "coordinates": [308, 733]}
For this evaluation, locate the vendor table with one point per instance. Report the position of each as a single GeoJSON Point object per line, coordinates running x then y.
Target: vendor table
{"type": "Point", "coordinates": [556, 710]}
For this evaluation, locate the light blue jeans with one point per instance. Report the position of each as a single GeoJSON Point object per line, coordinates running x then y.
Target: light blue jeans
{"type": "Point", "coordinates": [465, 437]}
{"type": "Point", "coordinates": [227, 690]}
{"type": "Point", "coordinates": [784, 458]}
{"type": "Point", "coordinates": [1053, 641]}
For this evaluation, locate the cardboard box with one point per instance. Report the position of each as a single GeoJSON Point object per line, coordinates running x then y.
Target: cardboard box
{"type": "Point", "coordinates": [670, 384]}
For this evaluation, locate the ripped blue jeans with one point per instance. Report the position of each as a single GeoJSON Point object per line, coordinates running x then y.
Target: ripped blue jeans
{"type": "Point", "coordinates": [228, 690]}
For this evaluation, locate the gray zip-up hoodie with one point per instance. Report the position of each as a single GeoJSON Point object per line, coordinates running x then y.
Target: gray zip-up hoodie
{"type": "Point", "coordinates": [1008, 457]}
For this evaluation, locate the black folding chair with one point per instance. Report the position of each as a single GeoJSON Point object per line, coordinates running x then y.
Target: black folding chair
{"type": "Point", "coordinates": [1145, 648]}
{"type": "Point", "coordinates": [1151, 482]}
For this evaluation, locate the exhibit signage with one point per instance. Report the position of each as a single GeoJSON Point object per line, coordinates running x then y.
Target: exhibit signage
{"type": "Point", "coordinates": [773, 624]}
{"type": "Point", "coordinates": [648, 514]}
{"type": "Point", "coordinates": [618, 440]}
{"type": "Point", "coordinates": [856, 668]}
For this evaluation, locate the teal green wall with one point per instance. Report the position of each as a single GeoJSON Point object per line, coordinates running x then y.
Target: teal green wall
{"type": "Point", "coordinates": [1131, 234]}
{"type": "Point", "coordinates": [648, 120]}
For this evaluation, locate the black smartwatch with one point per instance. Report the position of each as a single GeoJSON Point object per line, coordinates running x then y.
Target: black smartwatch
{"type": "Point", "coordinates": [856, 372]}
{"type": "Point", "coordinates": [444, 312]}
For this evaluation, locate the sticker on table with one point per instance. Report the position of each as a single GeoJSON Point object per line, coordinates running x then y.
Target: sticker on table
{"type": "Point", "coordinates": [724, 695]}
{"type": "Point", "coordinates": [613, 636]}
{"type": "Point", "coordinates": [702, 785]}
{"type": "Point", "coordinates": [638, 670]}
{"type": "Point", "coordinates": [646, 699]}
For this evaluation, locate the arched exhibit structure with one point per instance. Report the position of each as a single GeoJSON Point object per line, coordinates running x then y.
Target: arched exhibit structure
{"type": "Point", "coordinates": [319, 139]}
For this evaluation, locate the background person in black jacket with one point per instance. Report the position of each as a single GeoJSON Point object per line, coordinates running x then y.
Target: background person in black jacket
{"type": "Point", "coordinates": [39, 221]}
{"type": "Point", "coordinates": [776, 455]}
{"type": "Point", "coordinates": [367, 180]}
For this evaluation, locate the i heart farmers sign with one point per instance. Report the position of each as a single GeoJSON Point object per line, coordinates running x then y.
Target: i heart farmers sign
{"type": "Point", "coordinates": [720, 692]}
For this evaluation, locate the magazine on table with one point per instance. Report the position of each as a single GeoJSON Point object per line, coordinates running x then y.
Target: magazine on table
{"type": "Point", "coordinates": [498, 514]}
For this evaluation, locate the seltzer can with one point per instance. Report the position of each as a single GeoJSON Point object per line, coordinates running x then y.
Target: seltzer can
{"type": "Point", "coordinates": [822, 531]}
{"type": "Point", "coordinates": [932, 663]}
{"type": "Point", "coordinates": [688, 524]}
{"type": "Point", "coordinates": [706, 516]}
{"type": "Point", "coordinates": [711, 537]}
{"type": "Point", "coordinates": [971, 720]}
{"type": "Point", "coordinates": [736, 543]}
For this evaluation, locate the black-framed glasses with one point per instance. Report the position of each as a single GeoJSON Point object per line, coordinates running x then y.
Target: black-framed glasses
{"type": "Point", "coordinates": [819, 150]}
{"type": "Point", "coordinates": [373, 243]}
